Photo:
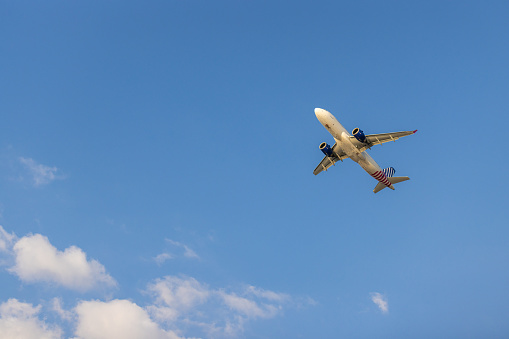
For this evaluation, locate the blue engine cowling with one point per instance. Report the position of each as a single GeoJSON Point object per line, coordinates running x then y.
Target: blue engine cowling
{"type": "Point", "coordinates": [359, 134]}
{"type": "Point", "coordinates": [326, 149]}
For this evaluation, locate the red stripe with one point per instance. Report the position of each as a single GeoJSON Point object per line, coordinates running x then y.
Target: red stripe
{"type": "Point", "coordinates": [381, 177]}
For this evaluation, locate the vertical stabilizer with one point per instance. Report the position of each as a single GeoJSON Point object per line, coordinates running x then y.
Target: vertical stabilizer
{"type": "Point", "coordinates": [389, 171]}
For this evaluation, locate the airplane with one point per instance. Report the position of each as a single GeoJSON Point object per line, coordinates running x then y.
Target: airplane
{"type": "Point", "coordinates": [354, 147]}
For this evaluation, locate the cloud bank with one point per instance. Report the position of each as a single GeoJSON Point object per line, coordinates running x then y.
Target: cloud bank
{"type": "Point", "coordinates": [175, 304]}
{"type": "Point", "coordinates": [178, 305]}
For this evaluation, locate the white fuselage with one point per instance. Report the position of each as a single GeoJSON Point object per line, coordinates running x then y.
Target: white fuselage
{"type": "Point", "coordinates": [342, 138]}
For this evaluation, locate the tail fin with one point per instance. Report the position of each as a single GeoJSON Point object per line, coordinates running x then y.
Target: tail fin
{"type": "Point", "coordinates": [389, 171]}
{"type": "Point", "coordinates": [392, 180]}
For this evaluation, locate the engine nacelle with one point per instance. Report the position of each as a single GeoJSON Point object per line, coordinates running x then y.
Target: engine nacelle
{"type": "Point", "coordinates": [359, 134]}
{"type": "Point", "coordinates": [326, 149]}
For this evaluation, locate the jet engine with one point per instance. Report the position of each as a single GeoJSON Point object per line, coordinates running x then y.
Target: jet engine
{"type": "Point", "coordinates": [326, 149]}
{"type": "Point", "coordinates": [359, 134]}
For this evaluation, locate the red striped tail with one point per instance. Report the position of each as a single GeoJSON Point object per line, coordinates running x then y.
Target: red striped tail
{"type": "Point", "coordinates": [381, 177]}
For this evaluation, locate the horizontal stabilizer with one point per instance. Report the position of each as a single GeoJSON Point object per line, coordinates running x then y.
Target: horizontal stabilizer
{"type": "Point", "coordinates": [392, 180]}
{"type": "Point", "coordinates": [395, 180]}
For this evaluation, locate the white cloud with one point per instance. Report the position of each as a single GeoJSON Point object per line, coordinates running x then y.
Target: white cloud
{"type": "Point", "coordinates": [179, 293]}
{"type": "Point", "coordinates": [161, 258]}
{"type": "Point", "coordinates": [269, 295]}
{"type": "Point", "coordinates": [36, 260]}
{"type": "Point", "coordinates": [41, 174]}
{"type": "Point", "coordinates": [180, 249]}
{"type": "Point", "coordinates": [14, 308]}
{"type": "Point", "coordinates": [6, 240]}
{"type": "Point", "coordinates": [247, 307]}
{"type": "Point", "coordinates": [116, 319]}
{"type": "Point", "coordinates": [183, 301]}
{"type": "Point", "coordinates": [380, 301]}
{"type": "Point", "coordinates": [188, 253]}
{"type": "Point", "coordinates": [163, 314]}
{"type": "Point", "coordinates": [56, 306]}
{"type": "Point", "coordinates": [19, 320]}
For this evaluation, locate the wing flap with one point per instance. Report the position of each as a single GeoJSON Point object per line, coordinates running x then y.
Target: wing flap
{"type": "Point", "coordinates": [325, 164]}
{"type": "Point", "coordinates": [378, 139]}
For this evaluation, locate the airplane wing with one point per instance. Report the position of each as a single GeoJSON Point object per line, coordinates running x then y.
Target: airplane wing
{"type": "Point", "coordinates": [327, 162]}
{"type": "Point", "coordinates": [377, 139]}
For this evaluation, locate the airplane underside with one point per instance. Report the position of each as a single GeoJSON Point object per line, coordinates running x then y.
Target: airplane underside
{"type": "Point", "coordinates": [354, 147]}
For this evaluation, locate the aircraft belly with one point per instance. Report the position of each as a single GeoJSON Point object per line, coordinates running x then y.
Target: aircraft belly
{"type": "Point", "coordinates": [333, 126]}
{"type": "Point", "coordinates": [350, 150]}
{"type": "Point", "coordinates": [353, 148]}
{"type": "Point", "coordinates": [335, 130]}
{"type": "Point", "coordinates": [369, 164]}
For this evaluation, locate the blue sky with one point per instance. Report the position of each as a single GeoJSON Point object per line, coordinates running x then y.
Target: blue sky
{"type": "Point", "coordinates": [156, 167]}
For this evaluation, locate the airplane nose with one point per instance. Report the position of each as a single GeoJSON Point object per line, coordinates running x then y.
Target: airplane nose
{"type": "Point", "coordinates": [319, 112]}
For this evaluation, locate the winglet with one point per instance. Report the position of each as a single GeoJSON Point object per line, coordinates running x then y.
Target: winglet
{"type": "Point", "coordinates": [415, 131]}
